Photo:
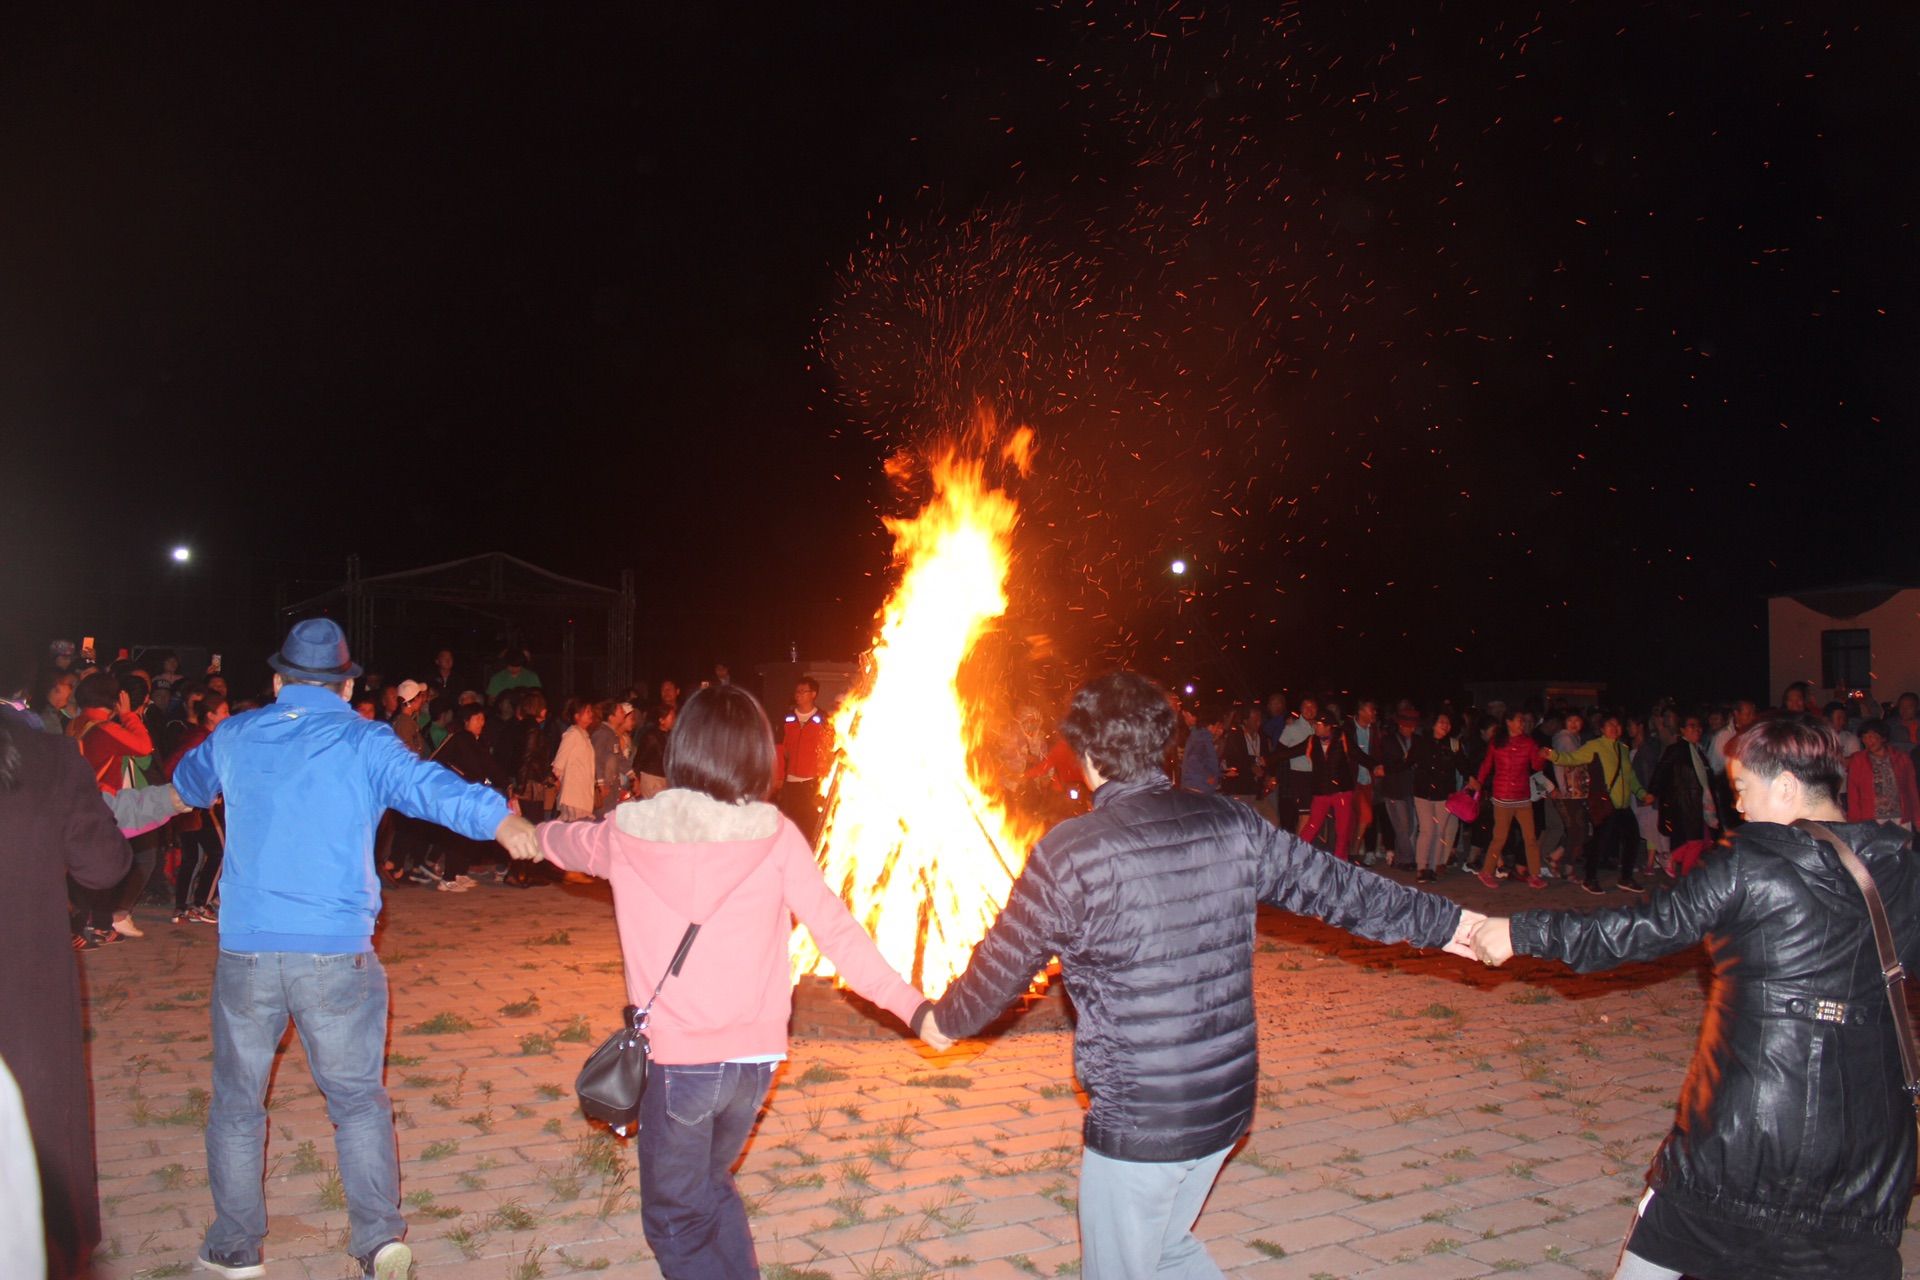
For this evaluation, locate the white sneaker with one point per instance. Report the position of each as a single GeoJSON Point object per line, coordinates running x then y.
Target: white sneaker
{"type": "Point", "coordinates": [392, 1261]}
{"type": "Point", "coordinates": [227, 1268]}
{"type": "Point", "coordinates": [465, 882]}
{"type": "Point", "coordinates": [453, 886]}
{"type": "Point", "coordinates": [126, 928]}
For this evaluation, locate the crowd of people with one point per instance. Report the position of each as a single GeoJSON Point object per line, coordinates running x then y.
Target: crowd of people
{"type": "Point", "coordinates": [1169, 824]}
{"type": "Point", "coordinates": [1524, 794]}
{"type": "Point", "coordinates": [135, 717]}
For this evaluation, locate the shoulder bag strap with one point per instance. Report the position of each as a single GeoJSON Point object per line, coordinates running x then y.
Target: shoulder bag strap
{"type": "Point", "coordinates": [673, 971]}
{"type": "Point", "coordinates": [1892, 972]}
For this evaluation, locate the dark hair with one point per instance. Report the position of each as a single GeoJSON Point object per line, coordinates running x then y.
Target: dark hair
{"type": "Point", "coordinates": [1122, 722]}
{"type": "Point", "coordinates": [1879, 727]}
{"type": "Point", "coordinates": [136, 688]}
{"type": "Point", "coordinates": [721, 745]}
{"type": "Point", "coordinates": [810, 682]}
{"type": "Point", "coordinates": [468, 710]}
{"type": "Point", "coordinates": [1810, 751]}
{"type": "Point", "coordinates": [100, 689]}
{"type": "Point", "coordinates": [532, 703]}
{"type": "Point", "coordinates": [206, 704]}
{"type": "Point", "coordinates": [361, 698]}
{"type": "Point", "coordinates": [575, 706]}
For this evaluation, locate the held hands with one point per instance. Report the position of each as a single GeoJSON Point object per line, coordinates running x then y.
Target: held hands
{"type": "Point", "coordinates": [1486, 939]}
{"type": "Point", "coordinates": [931, 1035]}
{"type": "Point", "coordinates": [1462, 942]}
{"type": "Point", "coordinates": [519, 838]}
{"type": "Point", "coordinates": [1493, 942]}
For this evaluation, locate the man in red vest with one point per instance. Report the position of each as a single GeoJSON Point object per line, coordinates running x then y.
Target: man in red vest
{"type": "Point", "coordinates": [803, 755]}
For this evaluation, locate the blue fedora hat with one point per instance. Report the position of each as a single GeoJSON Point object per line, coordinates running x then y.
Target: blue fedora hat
{"type": "Point", "coordinates": [315, 650]}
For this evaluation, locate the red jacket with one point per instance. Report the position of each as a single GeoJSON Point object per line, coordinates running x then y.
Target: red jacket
{"type": "Point", "coordinates": [1512, 766]}
{"type": "Point", "coordinates": [1860, 786]}
{"type": "Point", "coordinates": [106, 742]}
{"type": "Point", "coordinates": [805, 749]}
{"type": "Point", "coordinates": [193, 737]}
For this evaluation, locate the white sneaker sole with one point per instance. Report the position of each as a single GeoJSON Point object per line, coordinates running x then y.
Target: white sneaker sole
{"type": "Point", "coordinates": [393, 1262]}
{"type": "Point", "coordinates": [250, 1272]}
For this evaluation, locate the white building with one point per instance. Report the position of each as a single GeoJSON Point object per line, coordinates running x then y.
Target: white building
{"type": "Point", "coordinates": [1857, 636]}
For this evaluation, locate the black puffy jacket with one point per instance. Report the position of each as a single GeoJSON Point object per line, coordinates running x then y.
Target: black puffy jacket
{"type": "Point", "coordinates": [1149, 903]}
{"type": "Point", "coordinates": [1793, 1113]}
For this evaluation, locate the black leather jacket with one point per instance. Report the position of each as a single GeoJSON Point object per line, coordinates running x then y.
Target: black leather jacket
{"type": "Point", "coordinates": [1793, 1115]}
{"type": "Point", "coordinates": [1149, 903]}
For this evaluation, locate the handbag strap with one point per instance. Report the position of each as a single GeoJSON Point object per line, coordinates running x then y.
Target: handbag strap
{"type": "Point", "coordinates": [1892, 972]}
{"type": "Point", "coordinates": [673, 971]}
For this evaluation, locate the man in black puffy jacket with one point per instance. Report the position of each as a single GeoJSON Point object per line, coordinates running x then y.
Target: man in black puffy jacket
{"type": "Point", "coordinates": [1149, 903]}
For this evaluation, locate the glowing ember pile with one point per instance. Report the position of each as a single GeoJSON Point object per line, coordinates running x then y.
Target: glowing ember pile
{"type": "Point", "coordinates": [919, 852]}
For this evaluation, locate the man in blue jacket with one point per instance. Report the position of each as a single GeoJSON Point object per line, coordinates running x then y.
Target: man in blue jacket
{"type": "Point", "coordinates": [305, 782]}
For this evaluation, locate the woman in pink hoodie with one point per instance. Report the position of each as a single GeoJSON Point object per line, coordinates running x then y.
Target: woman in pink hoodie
{"type": "Point", "coordinates": [710, 851]}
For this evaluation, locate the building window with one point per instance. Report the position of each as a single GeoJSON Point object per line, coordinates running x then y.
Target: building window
{"type": "Point", "coordinates": [1846, 659]}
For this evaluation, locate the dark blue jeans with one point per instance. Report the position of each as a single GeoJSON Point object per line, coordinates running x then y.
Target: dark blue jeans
{"type": "Point", "coordinates": [339, 1005]}
{"type": "Point", "coordinates": [694, 1122]}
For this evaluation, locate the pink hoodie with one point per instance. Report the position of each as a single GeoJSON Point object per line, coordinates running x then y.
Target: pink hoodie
{"type": "Point", "coordinates": [739, 870]}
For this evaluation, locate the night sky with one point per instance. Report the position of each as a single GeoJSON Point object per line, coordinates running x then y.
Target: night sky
{"type": "Point", "coordinates": [1445, 342]}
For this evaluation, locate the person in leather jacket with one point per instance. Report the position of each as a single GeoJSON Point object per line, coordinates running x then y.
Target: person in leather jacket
{"type": "Point", "coordinates": [1792, 1155]}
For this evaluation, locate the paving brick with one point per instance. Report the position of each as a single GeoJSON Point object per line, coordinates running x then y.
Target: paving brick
{"type": "Point", "coordinates": [1366, 1090]}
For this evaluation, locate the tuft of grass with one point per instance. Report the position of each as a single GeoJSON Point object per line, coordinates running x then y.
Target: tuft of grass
{"type": "Point", "coordinates": [583, 1264]}
{"type": "Point", "coordinates": [331, 1191]}
{"type": "Point", "coordinates": [172, 1177]}
{"type": "Point", "coordinates": [306, 1158]}
{"type": "Point", "coordinates": [598, 1153]}
{"type": "Point", "coordinates": [943, 1081]}
{"type": "Point", "coordinates": [1266, 1248]}
{"type": "Point", "coordinates": [820, 1073]}
{"type": "Point", "coordinates": [550, 1092]}
{"type": "Point", "coordinates": [439, 1150]}
{"type": "Point", "coordinates": [577, 1031]}
{"type": "Point", "coordinates": [558, 938]}
{"type": "Point", "coordinates": [511, 1215]}
{"type": "Point", "coordinates": [522, 1008]}
{"type": "Point", "coordinates": [787, 1271]}
{"type": "Point", "coordinates": [440, 1024]}
{"type": "Point", "coordinates": [533, 1044]}
{"type": "Point", "coordinates": [404, 1060]}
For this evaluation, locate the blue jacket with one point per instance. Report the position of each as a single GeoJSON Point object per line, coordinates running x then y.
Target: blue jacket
{"type": "Point", "coordinates": [1200, 768]}
{"type": "Point", "coordinates": [305, 782]}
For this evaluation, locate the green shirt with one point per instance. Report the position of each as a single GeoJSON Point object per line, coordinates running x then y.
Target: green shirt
{"type": "Point", "coordinates": [1616, 767]}
{"type": "Point", "coordinates": [504, 680]}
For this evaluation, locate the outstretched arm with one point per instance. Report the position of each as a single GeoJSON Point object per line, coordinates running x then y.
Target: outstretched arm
{"type": "Point", "coordinates": [1661, 924]}
{"type": "Point", "coordinates": [1297, 877]}
{"type": "Point", "coordinates": [1038, 916]}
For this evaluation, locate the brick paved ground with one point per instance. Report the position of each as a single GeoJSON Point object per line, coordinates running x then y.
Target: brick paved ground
{"type": "Point", "coordinates": [1419, 1117]}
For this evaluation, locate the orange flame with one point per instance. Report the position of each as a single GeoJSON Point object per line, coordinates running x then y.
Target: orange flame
{"type": "Point", "coordinates": [922, 855]}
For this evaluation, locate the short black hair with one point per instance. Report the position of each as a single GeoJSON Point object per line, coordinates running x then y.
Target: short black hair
{"type": "Point", "coordinates": [1122, 722]}
{"type": "Point", "coordinates": [810, 682]}
{"type": "Point", "coordinates": [721, 745]}
{"type": "Point", "coordinates": [98, 690]}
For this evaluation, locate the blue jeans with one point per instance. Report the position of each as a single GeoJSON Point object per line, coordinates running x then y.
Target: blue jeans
{"type": "Point", "coordinates": [694, 1122]}
{"type": "Point", "coordinates": [1136, 1218]}
{"type": "Point", "coordinates": [339, 1005]}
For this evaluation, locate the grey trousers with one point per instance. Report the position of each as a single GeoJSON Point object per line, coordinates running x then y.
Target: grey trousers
{"type": "Point", "coordinates": [1136, 1219]}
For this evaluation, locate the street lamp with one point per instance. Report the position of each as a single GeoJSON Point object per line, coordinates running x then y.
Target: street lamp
{"type": "Point", "coordinates": [1179, 568]}
{"type": "Point", "coordinates": [182, 554]}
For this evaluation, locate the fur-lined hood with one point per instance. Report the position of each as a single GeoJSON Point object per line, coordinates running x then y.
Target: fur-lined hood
{"type": "Point", "coordinates": [693, 850]}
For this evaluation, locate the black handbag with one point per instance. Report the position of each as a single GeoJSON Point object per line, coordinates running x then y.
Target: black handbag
{"type": "Point", "coordinates": [614, 1078]}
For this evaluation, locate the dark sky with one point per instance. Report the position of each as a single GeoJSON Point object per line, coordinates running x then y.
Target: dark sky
{"type": "Point", "coordinates": [1446, 341]}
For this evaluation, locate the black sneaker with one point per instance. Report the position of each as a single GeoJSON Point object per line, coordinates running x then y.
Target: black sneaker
{"type": "Point", "coordinates": [1629, 885]}
{"type": "Point", "coordinates": [1591, 885]}
{"type": "Point", "coordinates": [232, 1266]}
